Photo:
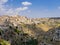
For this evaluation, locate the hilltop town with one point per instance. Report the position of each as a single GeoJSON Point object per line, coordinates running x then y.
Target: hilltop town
{"type": "Point", "coordinates": [22, 30]}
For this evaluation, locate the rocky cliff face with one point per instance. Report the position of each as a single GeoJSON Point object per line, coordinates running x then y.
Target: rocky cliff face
{"type": "Point", "coordinates": [45, 31]}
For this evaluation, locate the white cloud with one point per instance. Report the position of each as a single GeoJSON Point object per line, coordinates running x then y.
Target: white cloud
{"type": "Point", "coordinates": [5, 11]}
{"type": "Point", "coordinates": [21, 8]}
{"type": "Point", "coordinates": [9, 12]}
{"type": "Point", "coordinates": [3, 1]}
{"type": "Point", "coordinates": [16, 10]}
{"type": "Point", "coordinates": [26, 3]}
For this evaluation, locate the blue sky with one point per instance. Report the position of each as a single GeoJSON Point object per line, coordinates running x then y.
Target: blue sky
{"type": "Point", "coordinates": [30, 8]}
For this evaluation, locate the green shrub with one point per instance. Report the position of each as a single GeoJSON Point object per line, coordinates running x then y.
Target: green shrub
{"type": "Point", "coordinates": [17, 31]}
{"type": "Point", "coordinates": [3, 42]}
